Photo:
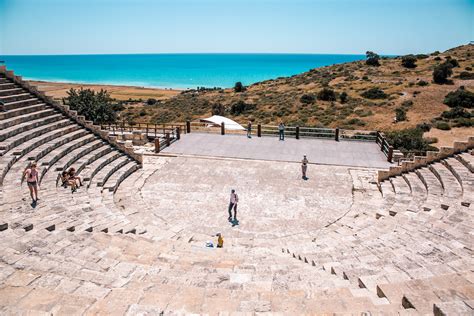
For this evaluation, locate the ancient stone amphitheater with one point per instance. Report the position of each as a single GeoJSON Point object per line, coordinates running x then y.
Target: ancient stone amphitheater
{"type": "Point", "coordinates": [132, 240]}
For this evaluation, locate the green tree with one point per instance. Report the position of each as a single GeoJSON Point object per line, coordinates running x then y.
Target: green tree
{"type": "Point", "coordinates": [343, 97]}
{"type": "Point", "coordinates": [460, 98]}
{"type": "Point", "coordinates": [372, 59]}
{"type": "Point", "coordinates": [442, 72]}
{"type": "Point", "coordinates": [239, 87]}
{"type": "Point", "coordinates": [95, 106]}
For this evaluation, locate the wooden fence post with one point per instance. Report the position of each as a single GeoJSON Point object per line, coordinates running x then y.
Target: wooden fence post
{"type": "Point", "coordinates": [167, 138]}
{"type": "Point", "coordinates": [188, 127]}
{"type": "Point", "coordinates": [337, 134]}
{"type": "Point", "coordinates": [297, 132]}
{"type": "Point", "coordinates": [222, 128]}
{"type": "Point", "coordinates": [390, 154]}
{"type": "Point", "coordinates": [178, 133]}
{"type": "Point", "coordinates": [259, 130]}
{"type": "Point", "coordinates": [157, 145]}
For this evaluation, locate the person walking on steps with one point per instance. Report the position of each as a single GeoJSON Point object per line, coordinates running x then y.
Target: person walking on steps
{"type": "Point", "coordinates": [32, 179]}
{"type": "Point", "coordinates": [234, 199]}
{"type": "Point", "coordinates": [304, 167]}
{"type": "Point", "coordinates": [281, 131]}
{"type": "Point", "coordinates": [249, 129]}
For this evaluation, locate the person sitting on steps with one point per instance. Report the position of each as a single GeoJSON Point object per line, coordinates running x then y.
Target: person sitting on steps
{"type": "Point", "coordinates": [73, 176]}
{"type": "Point", "coordinates": [67, 181]}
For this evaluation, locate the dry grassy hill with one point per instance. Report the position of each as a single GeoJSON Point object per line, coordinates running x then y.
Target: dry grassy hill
{"type": "Point", "coordinates": [270, 101]}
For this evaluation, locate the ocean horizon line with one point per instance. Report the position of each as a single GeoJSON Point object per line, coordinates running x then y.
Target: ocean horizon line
{"type": "Point", "coordinates": [174, 71]}
{"type": "Point", "coordinates": [195, 53]}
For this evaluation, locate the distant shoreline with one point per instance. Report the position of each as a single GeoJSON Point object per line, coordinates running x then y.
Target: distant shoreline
{"type": "Point", "coordinates": [58, 90]}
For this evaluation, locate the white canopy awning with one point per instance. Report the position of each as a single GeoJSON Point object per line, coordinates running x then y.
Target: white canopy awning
{"type": "Point", "coordinates": [217, 120]}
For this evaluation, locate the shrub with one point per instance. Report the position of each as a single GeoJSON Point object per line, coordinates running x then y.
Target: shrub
{"type": "Point", "coordinates": [436, 53]}
{"type": "Point", "coordinates": [400, 114]}
{"type": "Point", "coordinates": [218, 109]}
{"type": "Point", "coordinates": [327, 94]}
{"type": "Point", "coordinates": [95, 106]}
{"type": "Point", "coordinates": [460, 98]}
{"type": "Point", "coordinates": [409, 61]}
{"type": "Point", "coordinates": [422, 83]}
{"type": "Point", "coordinates": [408, 139]}
{"type": "Point", "coordinates": [463, 122]}
{"type": "Point", "coordinates": [374, 93]}
{"type": "Point", "coordinates": [437, 58]}
{"type": "Point", "coordinates": [307, 99]}
{"type": "Point", "coordinates": [453, 62]}
{"type": "Point", "coordinates": [456, 112]}
{"type": "Point", "coordinates": [421, 56]}
{"type": "Point", "coordinates": [239, 87]}
{"type": "Point", "coordinates": [442, 125]}
{"type": "Point", "coordinates": [355, 121]}
{"type": "Point", "coordinates": [407, 104]}
{"type": "Point", "coordinates": [372, 59]}
{"type": "Point", "coordinates": [425, 127]}
{"type": "Point", "coordinates": [142, 112]}
{"type": "Point", "coordinates": [468, 68]}
{"type": "Point", "coordinates": [241, 107]}
{"type": "Point", "coordinates": [343, 97]}
{"type": "Point", "coordinates": [151, 101]}
{"type": "Point", "coordinates": [442, 72]}
{"type": "Point", "coordinates": [466, 75]}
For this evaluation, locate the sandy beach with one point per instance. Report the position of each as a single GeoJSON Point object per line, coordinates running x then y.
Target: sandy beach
{"type": "Point", "coordinates": [59, 90]}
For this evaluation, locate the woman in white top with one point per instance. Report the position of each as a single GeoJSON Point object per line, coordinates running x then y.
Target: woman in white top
{"type": "Point", "coordinates": [32, 179]}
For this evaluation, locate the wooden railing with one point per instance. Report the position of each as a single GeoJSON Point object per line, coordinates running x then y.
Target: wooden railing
{"type": "Point", "coordinates": [170, 132]}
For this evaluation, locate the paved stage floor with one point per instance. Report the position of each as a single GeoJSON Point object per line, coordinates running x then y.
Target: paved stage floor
{"type": "Point", "coordinates": [319, 151]}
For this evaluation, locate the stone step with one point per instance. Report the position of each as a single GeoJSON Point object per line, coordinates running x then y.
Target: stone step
{"type": "Point", "coordinates": [4, 124]}
{"type": "Point", "coordinates": [15, 97]}
{"type": "Point", "coordinates": [20, 128]}
{"type": "Point", "coordinates": [20, 138]}
{"type": "Point", "coordinates": [21, 111]}
{"type": "Point", "coordinates": [16, 105]}
{"type": "Point", "coordinates": [12, 91]}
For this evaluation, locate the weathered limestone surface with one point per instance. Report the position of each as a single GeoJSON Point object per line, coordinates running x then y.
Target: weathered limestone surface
{"type": "Point", "coordinates": [132, 241]}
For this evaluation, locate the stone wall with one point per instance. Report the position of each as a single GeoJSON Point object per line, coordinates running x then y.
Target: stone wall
{"type": "Point", "coordinates": [423, 161]}
{"type": "Point", "coordinates": [64, 109]}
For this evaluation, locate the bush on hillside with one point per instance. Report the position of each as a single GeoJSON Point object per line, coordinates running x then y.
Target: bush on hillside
{"type": "Point", "coordinates": [409, 61]}
{"type": "Point", "coordinates": [425, 127]}
{"type": "Point", "coordinates": [456, 112]}
{"type": "Point", "coordinates": [343, 97]}
{"type": "Point", "coordinates": [327, 94]}
{"type": "Point", "coordinates": [444, 126]}
{"type": "Point", "coordinates": [400, 114]}
{"type": "Point", "coordinates": [374, 93]}
{"type": "Point", "coordinates": [408, 139]}
{"type": "Point", "coordinates": [307, 98]}
{"type": "Point", "coordinates": [95, 106]}
{"type": "Point", "coordinates": [218, 109]}
{"type": "Point", "coordinates": [422, 83]}
{"type": "Point", "coordinates": [442, 72]}
{"type": "Point", "coordinates": [151, 101]}
{"type": "Point", "coordinates": [239, 87]}
{"type": "Point", "coordinates": [452, 61]}
{"type": "Point", "coordinates": [466, 75]}
{"type": "Point", "coordinates": [241, 107]}
{"type": "Point", "coordinates": [460, 98]}
{"type": "Point", "coordinates": [372, 59]}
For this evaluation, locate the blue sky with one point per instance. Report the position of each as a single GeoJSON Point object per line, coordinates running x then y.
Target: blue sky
{"type": "Point", "coordinates": [261, 26]}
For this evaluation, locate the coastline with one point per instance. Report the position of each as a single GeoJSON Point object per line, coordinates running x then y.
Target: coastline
{"type": "Point", "coordinates": [59, 90]}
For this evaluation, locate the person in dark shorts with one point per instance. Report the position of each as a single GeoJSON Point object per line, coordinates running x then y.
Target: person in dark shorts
{"type": "Point", "coordinates": [234, 199]}
{"type": "Point", "coordinates": [32, 180]}
{"type": "Point", "coordinates": [304, 167]}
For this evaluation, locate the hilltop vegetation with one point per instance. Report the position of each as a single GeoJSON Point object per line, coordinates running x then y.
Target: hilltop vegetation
{"type": "Point", "coordinates": [366, 94]}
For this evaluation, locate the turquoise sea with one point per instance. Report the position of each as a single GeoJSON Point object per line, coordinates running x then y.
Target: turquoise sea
{"type": "Point", "coordinates": [169, 70]}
